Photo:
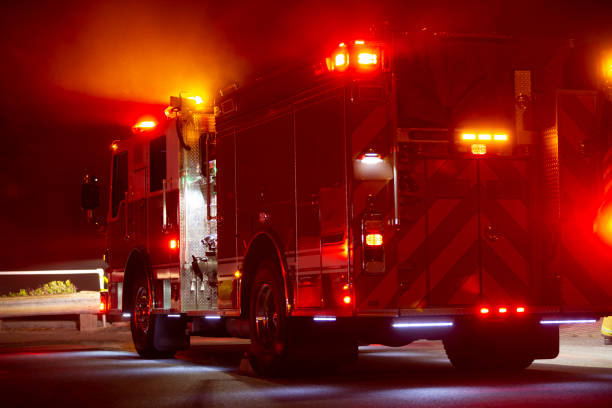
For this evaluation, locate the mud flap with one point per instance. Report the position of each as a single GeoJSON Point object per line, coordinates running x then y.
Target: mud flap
{"type": "Point", "coordinates": [170, 333]}
{"type": "Point", "coordinates": [317, 342]}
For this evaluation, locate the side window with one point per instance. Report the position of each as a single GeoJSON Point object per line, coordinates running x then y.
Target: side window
{"type": "Point", "coordinates": [157, 155]}
{"type": "Point", "coordinates": [120, 181]}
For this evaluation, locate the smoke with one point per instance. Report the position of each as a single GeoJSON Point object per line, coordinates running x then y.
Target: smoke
{"type": "Point", "coordinates": [145, 52]}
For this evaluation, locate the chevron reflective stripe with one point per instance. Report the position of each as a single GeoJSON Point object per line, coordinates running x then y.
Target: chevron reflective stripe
{"type": "Point", "coordinates": [439, 256]}
{"type": "Point", "coordinates": [585, 262]}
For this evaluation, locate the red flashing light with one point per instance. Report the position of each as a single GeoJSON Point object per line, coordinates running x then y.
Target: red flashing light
{"type": "Point", "coordinates": [173, 244]}
{"type": "Point", "coordinates": [484, 310]}
{"type": "Point", "coordinates": [347, 300]}
{"type": "Point", "coordinates": [102, 307]}
{"type": "Point", "coordinates": [144, 126]}
{"type": "Point", "coordinates": [520, 309]}
{"type": "Point", "coordinates": [374, 239]}
{"type": "Point", "coordinates": [479, 148]}
{"type": "Point", "coordinates": [367, 58]}
{"type": "Point", "coordinates": [503, 310]}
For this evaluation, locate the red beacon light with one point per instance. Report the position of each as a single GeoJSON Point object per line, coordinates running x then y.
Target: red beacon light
{"type": "Point", "coordinates": [144, 126]}
{"type": "Point", "coordinates": [484, 310]}
{"type": "Point", "coordinates": [358, 56]}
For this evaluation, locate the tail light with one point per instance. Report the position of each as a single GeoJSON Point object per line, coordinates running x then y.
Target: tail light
{"type": "Point", "coordinates": [103, 308]}
{"type": "Point", "coordinates": [502, 310]}
{"type": "Point", "coordinates": [373, 244]}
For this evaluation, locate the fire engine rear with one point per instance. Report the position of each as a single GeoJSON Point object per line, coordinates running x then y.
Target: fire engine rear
{"type": "Point", "coordinates": [433, 186]}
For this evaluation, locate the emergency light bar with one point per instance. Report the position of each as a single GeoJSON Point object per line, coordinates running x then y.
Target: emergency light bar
{"type": "Point", "coordinates": [359, 56]}
{"type": "Point", "coordinates": [483, 140]}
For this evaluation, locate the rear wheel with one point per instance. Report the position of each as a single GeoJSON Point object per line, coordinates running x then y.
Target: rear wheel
{"type": "Point", "coordinates": [142, 323]}
{"type": "Point", "coordinates": [268, 321]}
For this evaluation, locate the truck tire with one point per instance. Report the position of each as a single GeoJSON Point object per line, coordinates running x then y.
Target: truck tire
{"type": "Point", "coordinates": [268, 321]}
{"type": "Point", "coordinates": [142, 323]}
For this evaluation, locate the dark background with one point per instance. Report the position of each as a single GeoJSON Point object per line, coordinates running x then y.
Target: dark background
{"type": "Point", "coordinates": [76, 75]}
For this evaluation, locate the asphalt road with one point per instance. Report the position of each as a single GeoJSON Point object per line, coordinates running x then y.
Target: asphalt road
{"type": "Point", "coordinates": [67, 368]}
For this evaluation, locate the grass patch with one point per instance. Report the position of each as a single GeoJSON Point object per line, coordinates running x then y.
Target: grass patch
{"type": "Point", "coordinates": [50, 288]}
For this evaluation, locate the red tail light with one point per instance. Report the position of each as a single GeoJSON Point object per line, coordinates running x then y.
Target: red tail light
{"type": "Point", "coordinates": [103, 302]}
{"type": "Point", "coordinates": [520, 309]}
{"type": "Point", "coordinates": [484, 310]}
{"type": "Point", "coordinates": [503, 310]}
{"type": "Point", "coordinates": [173, 244]}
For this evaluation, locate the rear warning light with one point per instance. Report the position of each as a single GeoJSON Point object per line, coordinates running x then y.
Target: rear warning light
{"type": "Point", "coordinates": [102, 307]}
{"type": "Point", "coordinates": [366, 58]}
{"type": "Point", "coordinates": [484, 136]}
{"type": "Point", "coordinates": [520, 309]}
{"type": "Point", "coordinates": [484, 310]}
{"type": "Point", "coordinates": [503, 310]}
{"type": "Point", "coordinates": [468, 136]}
{"type": "Point", "coordinates": [173, 244]}
{"type": "Point", "coordinates": [374, 239]}
{"type": "Point", "coordinates": [479, 148]}
{"type": "Point", "coordinates": [359, 42]}
{"type": "Point", "coordinates": [347, 300]}
{"type": "Point", "coordinates": [500, 137]}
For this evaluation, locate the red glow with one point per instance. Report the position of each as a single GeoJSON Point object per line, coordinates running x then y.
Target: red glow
{"type": "Point", "coordinates": [602, 226]}
{"type": "Point", "coordinates": [520, 309]}
{"type": "Point", "coordinates": [484, 310]}
{"type": "Point", "coordinates": [173, 244]}
{"type": "Point", "coordinates": [503, 310]}
{"type": "Point", "coordinates": [347, 300]}
{"type": "Point", "coordinates": [102, 307]}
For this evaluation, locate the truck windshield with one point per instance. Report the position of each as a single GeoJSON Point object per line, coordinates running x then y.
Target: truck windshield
{"type": "Point", "coordinates": [451, 82]}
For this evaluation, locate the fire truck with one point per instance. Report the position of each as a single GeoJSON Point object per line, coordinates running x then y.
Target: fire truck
{"type": "Point", "coordinates": [429, 186]}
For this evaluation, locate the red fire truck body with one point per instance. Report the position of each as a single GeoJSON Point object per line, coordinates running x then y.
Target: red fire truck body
{"type": "Point", "coordinates": [434, 186]}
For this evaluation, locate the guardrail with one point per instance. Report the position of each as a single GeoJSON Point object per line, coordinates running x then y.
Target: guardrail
{"type": "Point", "coordinates": [85, 303]}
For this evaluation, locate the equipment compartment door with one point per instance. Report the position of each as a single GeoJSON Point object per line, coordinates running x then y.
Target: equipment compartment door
{"type": "Point", "coordinates": [322, 255]}
{"type": "Point", "coordinates": [505, 236]}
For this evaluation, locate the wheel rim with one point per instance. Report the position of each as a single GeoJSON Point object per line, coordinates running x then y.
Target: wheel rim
{"type": "Point", "coordinates": [142, 312]}
{"type": "Point", "coordinates": [266, 316]}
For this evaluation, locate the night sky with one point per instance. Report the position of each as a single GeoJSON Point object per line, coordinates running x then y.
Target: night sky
{"type": "Point", "coordinates": [76, 75]}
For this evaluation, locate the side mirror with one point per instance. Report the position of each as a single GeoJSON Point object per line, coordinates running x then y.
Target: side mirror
{"type": "Point", "coordinates": [90, 193]}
